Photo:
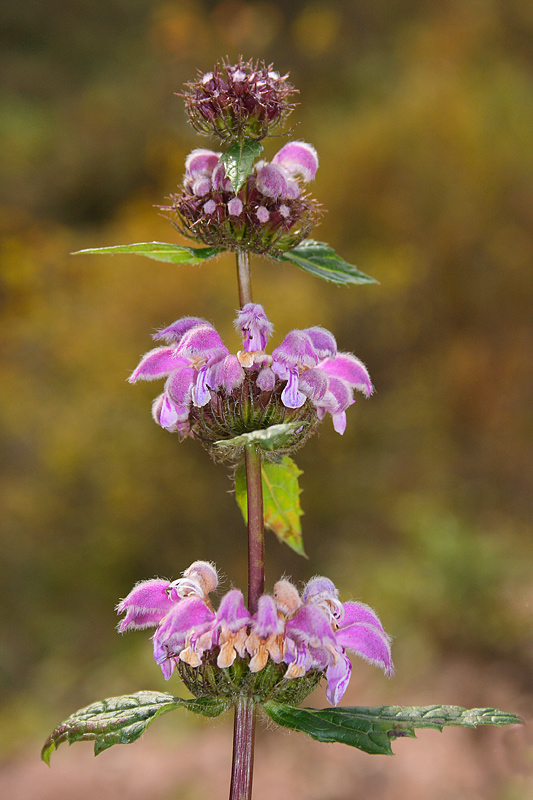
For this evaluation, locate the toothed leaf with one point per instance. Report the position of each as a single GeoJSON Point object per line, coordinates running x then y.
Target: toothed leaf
{"type": "Point", "coordinates": [121, 720]}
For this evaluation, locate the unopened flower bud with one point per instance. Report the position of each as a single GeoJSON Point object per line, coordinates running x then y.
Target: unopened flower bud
{"type": "Point", "coordinates": [254, 326]}
{"type": "Point", "coordinates": [298, 159]}
{"type": "Point", "coordinates": [235, 207]}
{"type": "Point", "coordinates": [200, 162]}
{"type": "Point", "coordinates": [205, 573]}
{"type": "Point", "coordinates": [271, 182]}
{"type": "Point", "coordinates": [286, 596]}
{"type": "Point", "coordinates": [247, 100]}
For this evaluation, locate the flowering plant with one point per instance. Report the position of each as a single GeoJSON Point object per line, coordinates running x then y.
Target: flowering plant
{"type": "Point", "coordinates": [253, 410]}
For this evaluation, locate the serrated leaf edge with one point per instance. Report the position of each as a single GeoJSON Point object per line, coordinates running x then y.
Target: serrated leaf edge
{"type": "Point", "coordinates": [90, 728]}
{"type": "Point", "coordinates": [198, 253]}
{"type": "Point", "coordinates": [394, 721]}
{"type": "Point", "coordinates": [351, 275]}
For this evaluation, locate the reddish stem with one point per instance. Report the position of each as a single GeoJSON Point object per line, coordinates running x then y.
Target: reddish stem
{"type": "Point", "coordinates": [256, 538]}
{"type": "Point", "coordinates": [243, 277]}
{"type": "Point", "coordinates": [244, 722]}
{"type": "Point", "coordinates": [243, 750]}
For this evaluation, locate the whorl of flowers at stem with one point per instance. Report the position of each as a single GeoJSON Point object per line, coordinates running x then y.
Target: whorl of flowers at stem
{"type": "Point", "coordinates": [291, 637]}
{"type": "Point", "coordinates": [269, 214]}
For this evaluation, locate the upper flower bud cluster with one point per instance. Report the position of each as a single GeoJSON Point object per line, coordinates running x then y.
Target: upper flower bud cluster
{"type": "Point", "coordinates": [212, 394]}
{"type": "Point", "coordinates": [303, 632]}
{"type": "Point", "coordinates": [248, 100]}
{"type": "Point", "coordinates": [270, 213]}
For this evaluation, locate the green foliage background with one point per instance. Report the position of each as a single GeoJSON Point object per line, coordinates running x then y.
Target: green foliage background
{"type": "Point", "coordinates": [422, 116]}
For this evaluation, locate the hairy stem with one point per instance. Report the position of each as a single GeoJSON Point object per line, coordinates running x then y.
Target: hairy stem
{"type": "Point", "coordinates": [256, 538]}
{"type": "Point", "coordinates": [243, 277]}
{"type": "Point", "coordinates": [254, 485]}
{"type": "Point", "coordinates": [244, 722]}
{"type": "Point", "coordinates": [243, 750]}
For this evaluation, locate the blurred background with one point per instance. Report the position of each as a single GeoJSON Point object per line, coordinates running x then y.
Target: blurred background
{"type": "Point", "coordinates": [422, 114]}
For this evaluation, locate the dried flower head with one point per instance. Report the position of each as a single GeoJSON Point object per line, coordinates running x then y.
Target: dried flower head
{"type": "Point", "coordinates": [269, 214]}
{"type": "Point", "coordinates": [247, 100]}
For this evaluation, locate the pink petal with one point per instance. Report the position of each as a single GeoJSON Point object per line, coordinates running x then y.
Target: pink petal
{"type": "Point", "coordinates": [262, 214]}
{"type": "Point", "coordinates": [255, 327]}
{"type": "Point", "coordinates": [155, 364]}
{"type": "Point", "coordinates": [226, 374]}
{"type": "Point", "coordinates": [323, 342]}
{"type": "Point", "coordinates": [232, 611]}
{"type": "Point", "coordinates": [359, 612]}
{"type": "Point", "coordinates": [235, 207]}
{"type": "Point", "coordinates": [338, 397]}
{"type": "Point", "coordinates": [145, 605]}
{"type": "Point", "coordinates": [184, 618]}
{"type": "Point", "coordinates": [175, 332]}
{"type": "Point", "coordinates": [350, 369]}
{"type": "Point", "coordinates": [291, 397]}
{"type": "Point", "coordinates": [167, 667]}
{"type": "Point", "coordinates": [296, 350]}
{"type": "Point", "coordinates": [369, 642]}
{"type": "Point", "coordinates": [266, 620]}
{"type": "Point", "coordinates": [310, 626]}
{"type": "Point", "coordinates": [339, 422]}
{"type": "Point", "coordinates": [200, 393]}
{"type": "Point", "coordinates": [314, 383]}
{"type": "Point", "coordinates": [338, 678]}
{"type": "Point", "coordinates": [266, 380]}
{"type": "Point", "coordinates": [202, 341]}
{"type": "Point", "coordinates": [168, 413]}
{"type": "Point", "coordinates": [179, 385]}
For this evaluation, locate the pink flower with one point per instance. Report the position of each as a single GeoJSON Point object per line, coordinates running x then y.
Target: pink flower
{"type": "Point", "coordinates": [270, 212]}
{"type": "Point", "coordinates": [201, 372]}
{"type": "Point", "coordinates": [311, 632]}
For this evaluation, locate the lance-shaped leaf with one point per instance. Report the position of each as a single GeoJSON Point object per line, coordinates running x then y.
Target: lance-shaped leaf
{"type": "Point", "coordinates": [238, 161]}
{"type": "Point", "coordinates": [121, 720]}
{"type": "Point", "coordinates": [159, 251]}
{"type": "Point", "coordinates": [272, 438]}
{"type": "Point", "coordinates": [373, 729]}
{"type": "Point", "coordinates": [321, 260]}
{"type": "Point", "coordinates": [281, 500]}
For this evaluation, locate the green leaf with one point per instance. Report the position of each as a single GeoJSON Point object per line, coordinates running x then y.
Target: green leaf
{"type": "Point", "coordinates": [281, 500]}
{"type": "Point", "coordinates": [321, 260]}
{"type": "Point", "coordinates": [372, 729]}
{"type": "Point", "coordinates": [121, 720]}
{"type": "Point", "coordinates": [159, 251]}
{"type": "Point", "coordinates": [271, 438]}
{"type": "Point", "coordinates": [238, 161]}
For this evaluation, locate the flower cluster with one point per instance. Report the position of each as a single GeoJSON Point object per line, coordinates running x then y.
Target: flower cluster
{"type": "Point", "coordinates": [211, 394]}
{"type": "Point", "coordinates": [303, 633]}
{"type": "Point", "coordinates": [233, 102]}
{"type": "Point", "coordinates": [269, 213]}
